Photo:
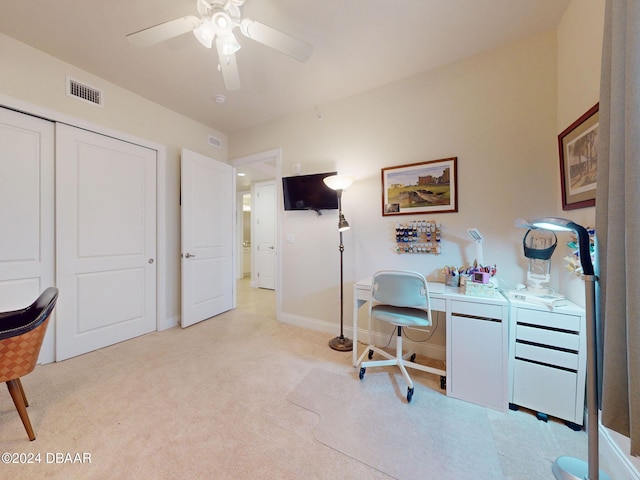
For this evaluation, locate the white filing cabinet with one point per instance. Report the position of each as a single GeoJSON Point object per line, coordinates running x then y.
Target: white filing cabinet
{"type": "Point", "coordinates": [547, 353]}
{"type": "Point", "coordinates": [477, 353]}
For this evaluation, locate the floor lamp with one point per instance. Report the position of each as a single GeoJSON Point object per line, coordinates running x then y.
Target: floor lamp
{"type": "Point", "coordinates": [564, 467]}
{"type": "Point", "coordinates": [340, 183]}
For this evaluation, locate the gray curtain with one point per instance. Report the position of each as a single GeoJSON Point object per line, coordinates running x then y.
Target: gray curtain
{"type": "Point", "coordinates": [618, 219]}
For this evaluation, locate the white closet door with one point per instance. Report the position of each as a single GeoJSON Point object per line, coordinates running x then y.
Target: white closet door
{"type": "Point", "coordinates": [105, 240]}
{"type": "Point", "coordinates": [26, 213]}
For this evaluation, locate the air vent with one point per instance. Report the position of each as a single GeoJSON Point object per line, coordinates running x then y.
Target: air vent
{"type": "Point", "coordinates": [84, 92]}
{"type": "Point", "coordinates": [216, 142]}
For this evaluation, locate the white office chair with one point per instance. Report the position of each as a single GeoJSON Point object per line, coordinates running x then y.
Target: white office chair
{"type": "Point", "coordinates": [400, 298]}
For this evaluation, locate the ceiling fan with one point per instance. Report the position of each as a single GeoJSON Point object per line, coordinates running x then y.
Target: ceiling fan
{"type": "Point", "coordinates": [218, 19]}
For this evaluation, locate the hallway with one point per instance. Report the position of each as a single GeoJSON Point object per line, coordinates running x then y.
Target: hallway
{"type": "Point", "coordinates": [259, 301]}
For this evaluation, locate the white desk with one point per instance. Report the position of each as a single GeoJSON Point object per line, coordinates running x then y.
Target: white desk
{"type": "Point", "coordinates": [476, 342]}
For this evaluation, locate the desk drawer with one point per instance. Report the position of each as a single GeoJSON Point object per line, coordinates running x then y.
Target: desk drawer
{"type": "Point", "coordinates": [476, 309]}
{"type": "Point", "coordinates": [548, 319]}
{"type": "Point", "coordinates": [438, 304]}
{"type": "Point", "coordinates": [547, 355]}
{"type": "Point", "coordinates": [547, 390]}
{"type": "Point", "coordinates": [569, 341]}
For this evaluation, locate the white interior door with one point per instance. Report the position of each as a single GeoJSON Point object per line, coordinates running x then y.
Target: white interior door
{"type": "Point", "coordinates": [105, 240]}
{"type": "Point", "coordinates": [26, 213]}
{"type": "Point", "coordinates": [208, 230]}
{"type": "Point", "coordinates": [265, 228]}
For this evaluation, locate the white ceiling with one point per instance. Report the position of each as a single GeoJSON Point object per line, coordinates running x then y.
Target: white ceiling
{"type": "Point", "coordinates": [358, 45]}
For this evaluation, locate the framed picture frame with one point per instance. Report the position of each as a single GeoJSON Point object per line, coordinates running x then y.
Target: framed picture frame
{"type": "Point", "coordinates": [578, 147]}
{"type": "Point", "coordinates": [426, 187]}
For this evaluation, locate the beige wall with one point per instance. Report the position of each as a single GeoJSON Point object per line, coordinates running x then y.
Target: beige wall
{"type": "Point", "coordinates": [579, 59]}
{"type": "Point", "coordinates": [28, 75]}
{"type": "Point", "coordinates": [496, 112]}
{"type": "Point", "coordinates": [499, 113]}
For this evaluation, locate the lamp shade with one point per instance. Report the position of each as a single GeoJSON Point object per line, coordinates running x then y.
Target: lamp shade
{"type": "Point", "coordinates": [553, 223]}
{"type": "Point", "coordinates": [343, 225]}
{"type": "Point", "coordinates": [205, 33]}
{"type": "Point", "coordinates": [229, 44]}
{"type": "Point", "coordinates": [338, 182]}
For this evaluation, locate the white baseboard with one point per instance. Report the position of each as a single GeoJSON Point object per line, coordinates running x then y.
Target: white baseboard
{"type": "Point", "coordinates": [311, 323]}
{"type": "Point", "coordinates": [616, 453]}
{"type": "Point", "coordinates": [426, 349]}
{"type": "Point", "coordinates": [168, 322]}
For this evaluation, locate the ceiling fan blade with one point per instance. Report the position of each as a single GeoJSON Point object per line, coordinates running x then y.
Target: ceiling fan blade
{"type": "Point", "coordinates": [275, 39]}
{"type": "Point", "coordinates": [164, 31]}
{"type": "Point", "coordinates": [228, 67]}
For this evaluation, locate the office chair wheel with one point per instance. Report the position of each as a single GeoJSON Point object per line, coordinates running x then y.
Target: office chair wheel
{"type": "Point", "coordinates": [370, 354]}
{"type": "Point", "coordinates": [409, 394]}
{"type": "Point", "coordinates": [362, 370]}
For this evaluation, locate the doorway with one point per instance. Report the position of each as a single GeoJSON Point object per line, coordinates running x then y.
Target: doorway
{"type": "Point", "coordinates": [257, 283]}
{"type": "Point", "coordinates": [243, 220]}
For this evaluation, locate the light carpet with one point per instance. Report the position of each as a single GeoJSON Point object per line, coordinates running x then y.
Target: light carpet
{"type": "Point", "coordinates": [447, 437]}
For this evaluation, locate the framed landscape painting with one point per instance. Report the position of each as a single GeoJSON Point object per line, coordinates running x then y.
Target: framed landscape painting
{"type": "Point", "coordinates": [427, 187]}
{"type": "Point", "coordinates": [578, 145]}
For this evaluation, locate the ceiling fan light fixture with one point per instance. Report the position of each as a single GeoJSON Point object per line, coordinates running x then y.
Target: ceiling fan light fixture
{"type": "Point", "coordinates": [205, 33]}
{"type": "Point", "coordinates": [222, 22]}
{"type": "Point", "coordinates": [230, 45]}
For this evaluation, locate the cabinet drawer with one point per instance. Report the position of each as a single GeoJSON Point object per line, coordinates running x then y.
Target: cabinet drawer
{"type": "Point", "coordinates": [547, 355]}
{"type": "Point", "coordinates": [477, 309]}
{"type": "Point", "coordinates": [547, 390]}
{"type": "Point", "coordinates": [548, 319]}
{"type": "Point", "coordinates": [543, 336]}
{"type": "Point", "coordinates": [438, 304]}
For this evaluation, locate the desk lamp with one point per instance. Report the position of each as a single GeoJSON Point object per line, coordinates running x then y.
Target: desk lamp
{"type": "Point", "coordinates": [564, 467]}
{"type": "Point", "coordinates": [340, 183]}
{"type": "Point", "coordinates": [478, 238]}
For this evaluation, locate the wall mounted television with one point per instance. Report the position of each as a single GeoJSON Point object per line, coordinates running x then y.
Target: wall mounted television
{"type": "Point", "coordinates": [309, 192]}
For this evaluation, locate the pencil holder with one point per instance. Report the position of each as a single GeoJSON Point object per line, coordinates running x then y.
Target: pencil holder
{"type": "Point", "coordinates": [452, 280]}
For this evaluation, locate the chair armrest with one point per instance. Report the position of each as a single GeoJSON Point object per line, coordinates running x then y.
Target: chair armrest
{"type": "Point", "coordinates": [10, 320]}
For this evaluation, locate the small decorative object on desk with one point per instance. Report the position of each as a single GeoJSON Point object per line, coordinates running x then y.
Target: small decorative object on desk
{"type": "Point", "coordinates": [481, 289]}
{"type": "Point", "coordinates": [451, 276]}
{"type": "Point", "coordinates": [573, 259]}
{"type": "Point", "coordinates": [420, 236]}
{"type": "Point", "coordinates": [477, 280]}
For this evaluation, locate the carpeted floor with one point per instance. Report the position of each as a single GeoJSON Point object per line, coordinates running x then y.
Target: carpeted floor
{"type": "Point", "coordinates": [432, 437]}
{"type": "Point", "coordinates": [224, 399]}
{"type": "Point", "coordinates": [377, 427]}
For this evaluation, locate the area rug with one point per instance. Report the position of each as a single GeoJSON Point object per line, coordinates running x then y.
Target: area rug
{"type": "Point", "coordinates": [370, 420]}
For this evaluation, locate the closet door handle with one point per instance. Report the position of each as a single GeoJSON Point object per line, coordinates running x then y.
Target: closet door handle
{"type": "Point", "coordinates": [188, 255]}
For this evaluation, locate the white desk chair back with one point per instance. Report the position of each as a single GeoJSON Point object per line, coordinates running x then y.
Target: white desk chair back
{"type": "Point", "coordinates": [401, 298]}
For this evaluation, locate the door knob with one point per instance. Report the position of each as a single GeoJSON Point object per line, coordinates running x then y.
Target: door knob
{"type": "Point", "coordinates": [188, 255]}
